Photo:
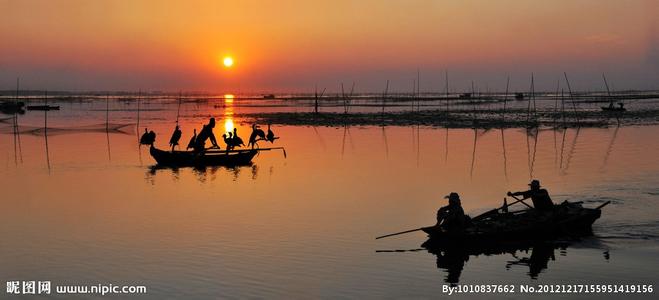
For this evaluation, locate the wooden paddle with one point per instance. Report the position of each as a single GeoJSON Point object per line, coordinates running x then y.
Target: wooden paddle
{"type": "Point", "coordinates": [402, 232]}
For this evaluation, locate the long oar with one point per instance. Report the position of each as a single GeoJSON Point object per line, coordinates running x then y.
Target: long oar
{"type": "Point", "coordinates": [402, 232]}
{"type": "Point", "coordinates": [212, 150]}
{"type": "Point", "coordinates": [603, 204]}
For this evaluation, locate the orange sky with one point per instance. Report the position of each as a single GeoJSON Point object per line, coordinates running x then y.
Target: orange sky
{"type": "Point", "coordinates": [292, 45]}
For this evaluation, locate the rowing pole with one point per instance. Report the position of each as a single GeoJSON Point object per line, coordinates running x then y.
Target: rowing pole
{"type": "Point", "coordinates": [209, 150]}
{"type": "Point", "coordinates": [481, 216]}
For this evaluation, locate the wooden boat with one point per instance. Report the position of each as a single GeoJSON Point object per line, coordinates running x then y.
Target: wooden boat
{"type": "Point", "coordinates": [208, 158]}
{"type": "Point", "coordinates": [12, 107]}
{"type": "Point", "coordinates": [566, 219]}
{"type": "Point", "coordinates": [43, 107]}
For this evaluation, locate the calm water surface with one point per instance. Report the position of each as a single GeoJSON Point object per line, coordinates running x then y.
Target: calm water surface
{"type": "Point", "coordinates": [86, 207]}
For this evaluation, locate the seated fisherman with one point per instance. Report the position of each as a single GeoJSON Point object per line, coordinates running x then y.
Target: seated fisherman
{"type": "Point", "coordinates": [540, 197]}
{"type": "Point", "coordinates": [205, 133]}
{"type": "Point", "coordinates": [452, 218]}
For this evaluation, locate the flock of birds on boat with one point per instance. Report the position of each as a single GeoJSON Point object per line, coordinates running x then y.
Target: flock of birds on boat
{"type": "Point", "coordinates": [231, 139]}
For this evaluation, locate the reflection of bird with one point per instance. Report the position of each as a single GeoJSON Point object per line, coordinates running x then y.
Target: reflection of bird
{"type": "Point", "coordinates": [148, 138]}
{"type": "Point", "coordinates": [176, 136]}
{"type": "Point", "coordinates": [257, 134]}
{"type": "Point", "coordinates": [228, 141]}
{"type": "Point", "coordinates": [192, 140]}
{"type": "Point", "coordinates": [271, 135]}
{"type": "Point", "coordinates": [237, 141]}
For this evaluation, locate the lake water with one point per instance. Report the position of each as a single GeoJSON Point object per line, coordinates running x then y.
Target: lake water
{"type": "Point", "coordinates": [86, 206]}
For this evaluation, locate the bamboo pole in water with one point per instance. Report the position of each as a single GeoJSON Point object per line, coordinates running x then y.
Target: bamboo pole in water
{"type": "Point", "coordinates": [447, 102]}
{"type": "Point", "coordinates": [574, 106]}
{"type": "Point", "coordinates": [505, 99]}
{"type": "Point", "coordinates": [137, 127]}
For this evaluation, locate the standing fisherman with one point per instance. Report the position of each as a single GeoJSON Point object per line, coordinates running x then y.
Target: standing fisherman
{"type": "Point", "coordinates": [205, 133]}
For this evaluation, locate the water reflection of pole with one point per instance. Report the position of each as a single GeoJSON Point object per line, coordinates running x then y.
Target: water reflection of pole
{"type": "Point", "coordinates": [386, 144]}
{"type": "Point", "coordinates": [610, 147]}
{"type": "Point", "coordinates": [505, 159]}
{"type": "Point", "coordinates": [320, 138]}
{"type": "Point", "coordinates": [473, 154]}
{"type": "Point", "coordinates": [45, 129]}
{"type": "Point", "coordinates": [107, 124]}
{"type": "Point", "coordinates": [571, 153]}
{"type": "Point", "coordinates": [535, 148]}
{"type": "Point", "coordinates": [418, 145]}
{"type": "Point", "coordinates": [562, 148]}
{"type": "Point", "coordinates": [446, 146]}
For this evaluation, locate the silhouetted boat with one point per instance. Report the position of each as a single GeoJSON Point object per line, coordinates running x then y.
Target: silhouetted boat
{"type": "Point", "coordinates": [43, 107]}
{"type": "Point", "coordinates": [613, 108]}
{"type": "Point", "coordinates": [208, 158]}
{"type": "Point", "coordinates": [12, 107]}
{"type": "Point", "coordinates": [566, 219]}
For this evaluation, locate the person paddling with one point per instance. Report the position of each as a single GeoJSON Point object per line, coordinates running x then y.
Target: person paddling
{"type": "Point", "coordinates": [540, 197]}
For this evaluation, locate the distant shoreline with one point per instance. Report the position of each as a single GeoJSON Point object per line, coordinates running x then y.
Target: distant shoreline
{"type": "Point", "coordinates": [461, 119]}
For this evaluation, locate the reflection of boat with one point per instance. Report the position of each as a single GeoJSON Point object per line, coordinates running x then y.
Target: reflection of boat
{"type": "Point", "coordinates": [566, 219]}
{"type": "Point", "coordinates": [208, 158]}
{"type": "Point", "coordinates": [43, 107]}
{"type": "Point", "coordinates": [452, 257]}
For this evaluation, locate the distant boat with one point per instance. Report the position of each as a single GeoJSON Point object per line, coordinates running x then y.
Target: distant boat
{"type": "Point", "coordinates": [465, 96]}
{"type": "Point", "coordinates": [611, 108]}
{"type": "Point", "coordinates": [12, 107]}
{"type": "Point", "coordinates": [269, 96]}
{"type": "Point", "coordinates": [209, 158]}
{"type": "Point", "coordinates": [43, 107]}
{"type": "Point", "coordinates": [519, 96]}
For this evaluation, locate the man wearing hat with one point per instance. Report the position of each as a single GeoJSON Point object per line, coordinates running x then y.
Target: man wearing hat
{"type": "Point", "coordinates": [540, 197]}
{"type": "Point", "coordinates": [451, 217]}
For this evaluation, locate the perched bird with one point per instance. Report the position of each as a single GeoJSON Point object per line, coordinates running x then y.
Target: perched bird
{"type": "Point", "coordinates": [148, 138]}
{"type": "Point", "coordinates": [271, 135]}
{"type": "Point", "coordinates": [176, 136]}
{"type": "Point", "coordinates": [228, 141]}
{"type": "Point", "coordinates": [192, 140]}
{"type": "Point", "coordinates": [237, 141]}
{"type": "Point", "coordinates": [257, 134]}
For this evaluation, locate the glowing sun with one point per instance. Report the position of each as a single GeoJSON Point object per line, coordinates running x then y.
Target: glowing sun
{"type": "Point", "coordinates": [227, 61]}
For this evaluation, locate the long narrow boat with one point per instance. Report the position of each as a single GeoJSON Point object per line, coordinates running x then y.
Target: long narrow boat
{"type": "Point", "coordinates": [566, 219]}
{"type": "Point", "coordinates": [208, 158]}
{"type": "Point", "coordinates": [43, 107]}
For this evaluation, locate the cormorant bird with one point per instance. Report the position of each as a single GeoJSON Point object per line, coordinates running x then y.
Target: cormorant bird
{"type": "Point", "coordinates": [257, 134]}
{"type": "Point", "coordinates": [148, 138]}
{"type": "Point", "coordinates": [176, 136]}
{"type": "Point", "coordinates": [192, 140]}
{"type": "Point", "coordinates": [237, 141]}
{"type": "Point", "coordinates": [228, 141]}
{"type": "Point", "coordinates": [271, 135]}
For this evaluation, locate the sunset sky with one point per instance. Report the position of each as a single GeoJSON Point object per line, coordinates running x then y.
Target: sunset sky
{"type": "Point", "coordinates": [284, 46]}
